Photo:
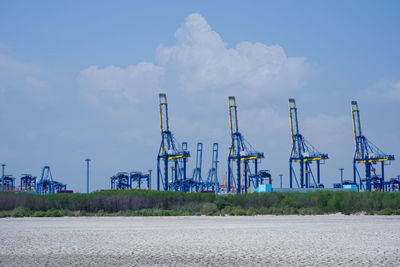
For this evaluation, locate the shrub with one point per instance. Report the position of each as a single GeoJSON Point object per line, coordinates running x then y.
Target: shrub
{"type": "Point", "coordinates": [21, 212]}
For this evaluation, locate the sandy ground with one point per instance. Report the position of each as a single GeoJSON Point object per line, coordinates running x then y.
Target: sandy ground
{"type": "Point", "coordinates": [190, 241]}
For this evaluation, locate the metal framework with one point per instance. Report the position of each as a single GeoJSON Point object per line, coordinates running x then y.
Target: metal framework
{"type": "Point", "coordinates": [212, 182]}
{"type": "Point", "coordinates": [263, 177]}
{"type": "Point", "coordinates": [393, 185]}
{"type": "Point", "coordinates": [368, 154]}
{"type": "Point", "coordinates": [170, 151]}
{"type": "Point", "coordinates": [196, 177]}
{"type": "Point", "coordinates": [8, 183]}
{"type": "Point", "coordinates": [138, 180]}
{"type": "Point", "coordinates": [120, 181]}
{"type": "Point", "coordinates": [28, 183]}
{"type": "Point", "coordinates": [304, 154]}
{"type": "Point", "coordinates": [241, 153]}
{"type": "Point", "coordinates": [47, 185]}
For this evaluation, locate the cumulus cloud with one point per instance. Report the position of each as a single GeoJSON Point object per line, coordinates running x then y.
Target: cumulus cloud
{"type": "Point", "coordinates": [199, 61]}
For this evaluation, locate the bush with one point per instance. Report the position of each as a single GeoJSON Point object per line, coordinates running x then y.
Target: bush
{"type": "Point", "coordinates": [21, 212]}
{"type": "Point", "coordinates": [39, 214]}
{"type": "Point", "coordinates": [385, 212]}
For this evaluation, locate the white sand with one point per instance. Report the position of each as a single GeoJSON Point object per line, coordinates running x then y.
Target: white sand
{"type": "Point", "coordinates": [214, 241]}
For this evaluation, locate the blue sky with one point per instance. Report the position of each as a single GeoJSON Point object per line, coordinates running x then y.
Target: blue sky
{"type": "Point", "coordinates": [80, 79]}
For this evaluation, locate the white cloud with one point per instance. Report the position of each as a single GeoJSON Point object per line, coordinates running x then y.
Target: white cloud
{"type": "Point", "coordinates": [199, 61]}
{"type": "Point", "coordinates": [118, 84]}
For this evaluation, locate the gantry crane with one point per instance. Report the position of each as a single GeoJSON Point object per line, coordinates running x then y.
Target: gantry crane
{"type": "Point", "coordinates": [45, 184]}
{"type": "Point", "coordinates": [28, 183]}
{"type": "Point", "coordinates": [240, 151]}
{"type": "Point", "coordinates": [137, 178]}
{"type": "Point", "coordinates": [196, 177]}
{"type": "Point", "coordinates": [303, 153]}
{"type": "Point", "coordinates": [170, 150]}
{"type": "Point", "coordinates": [212, 182]}
{"type": "Point", "coordinates": [368, 154]}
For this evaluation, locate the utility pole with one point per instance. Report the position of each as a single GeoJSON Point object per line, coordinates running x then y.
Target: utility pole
{"type": "Point", "coordinates": [2, 176]}
{"type": "Point", "coordinates": [341, 176]}
{"type": "Point", "coordinates": [87, 174]}
{"type": "Point", "coordinates": [280, 175]}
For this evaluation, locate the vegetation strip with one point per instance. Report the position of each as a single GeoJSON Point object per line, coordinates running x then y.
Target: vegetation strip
{"type": "Point", "coordinates": [153, 203]}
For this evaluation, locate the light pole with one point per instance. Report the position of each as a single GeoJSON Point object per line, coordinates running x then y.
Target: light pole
{"type": "Point", "coordinates": [87, 174]}
{"type": "Point", "coordinates": [280, 175]}
{"type": "Point", "coordinates": [341, 176]}
{"type": "Point", "coordinates": [2, 176]}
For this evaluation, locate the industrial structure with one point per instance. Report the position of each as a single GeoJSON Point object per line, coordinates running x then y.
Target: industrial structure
{"type": "Point", "coordinates": [196, 177]}
{"type": "Point", "coordinates": [304, 154]}
{"type": "Point", "coordinates": [140, 180]}
{"type": "Point", "coordinates": [28, 183]}
{"type": "Point", "coordinates": [212, 183]}
{"type": "Point", "coordinates": [46, 184]}
{"type": "Point", "coordinates": [8, 183]}
{"type": "Point", "coordinates": [368, 154]}
{"type": "Point", "coordinates": [132, 180]}
{"type": "Point", "coordinates": [120, 181]}
{"type": "Point", "coordinates": [170, 151]}
{"type": "Point", "coordinates": [240, 153]}
{"type": "Point", "coordinates": [393, 185]}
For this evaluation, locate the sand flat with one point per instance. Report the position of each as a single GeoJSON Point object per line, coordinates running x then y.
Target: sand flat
{"type": "Point", "coordinates": [329, 240]}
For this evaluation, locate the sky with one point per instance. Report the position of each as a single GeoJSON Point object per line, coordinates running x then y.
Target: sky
{"type": "Point", "coordinates": [81, 79]}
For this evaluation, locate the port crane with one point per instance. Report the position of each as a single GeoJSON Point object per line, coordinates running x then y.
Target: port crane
{"type": "Point", "coordinates": [170, 151]}
{"type": "Point", "coordinates": [303, 153]}
{"type": "Point", "coordinates": [212, 182]}
{"type": "Point", "coordinates": [368, 154]}
{"type": "Point", "coordinates": [240, 151]}
{"type": "Point", "coordinates": [196, 177]}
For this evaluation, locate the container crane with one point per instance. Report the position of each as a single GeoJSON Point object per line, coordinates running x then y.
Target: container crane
{"type": "Point", "coordinates": [137, 179]}
{"type": "Point", "coordinates": [28, 183]}
{"type": "Point", "coordinates": [46, 183]}
{"type": "Point", "coordinates": [170, 151]}
{"type": "Point", "coordinates": [120, 181]}
{"type": "Point", "coordinates": [240, 151]}
{"type": "Point", "coordinates": [303, 153]}
{"type": "Point", "coordinates": [212, 182]}
{"type": "Point", "coordinates": [368, 154]}
{"type": "Point", "coordinates": [196, 177]}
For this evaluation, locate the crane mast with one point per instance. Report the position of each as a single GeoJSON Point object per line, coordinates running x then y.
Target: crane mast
{"type": "Point", "coordinates": [303, 153]}
{"type": "Point", "coordinates": [170, 151]}
{"type": "Point", "coordinates": [368, 154]}
{"type": "Point", "coordinates": [240, 152]}
{"type": "Point", "coordinates": [212, 182]}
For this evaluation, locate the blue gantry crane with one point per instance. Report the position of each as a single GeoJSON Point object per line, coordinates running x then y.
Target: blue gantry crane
{"type": "Point", "coordinates": [170, 151]}
{"type": "Point", "coordinates": [240, 151]}
{"type": "Point", "coordinates": [196, 177]}
{"type": "Point", "coordinates": [368, 154]}
{"type": "Point", "coordinates": [137, 179]}
{"type": "Point", "coordinates": [46, 184]}
{"type": "Point", "coordinates": [120, 181]}
{"type": "Point", "coordinates": [28, 183]}
{"type": "Point", "coordinates": [8, 182]}
{"type": "Point", "coordinates": [303, 153]}
{"type": "Point", "coordinates": [212, 182]}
